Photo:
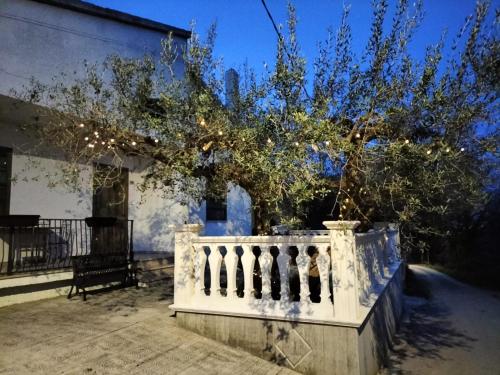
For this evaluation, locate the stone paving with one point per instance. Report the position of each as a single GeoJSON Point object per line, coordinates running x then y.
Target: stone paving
{"type": "Point", "coordinates": [125, 331]}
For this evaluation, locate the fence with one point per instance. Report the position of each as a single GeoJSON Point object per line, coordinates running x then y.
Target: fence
{"type": "Point", "coordinates": [50, 243]}
{"type": "Point", "coordinates": [326, 276]}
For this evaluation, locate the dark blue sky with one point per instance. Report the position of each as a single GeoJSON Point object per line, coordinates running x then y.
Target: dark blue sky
{"type": "Point", "coordinates": [245, 32]}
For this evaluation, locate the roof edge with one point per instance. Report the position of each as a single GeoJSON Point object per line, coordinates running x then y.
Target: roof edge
{"type": "Point", "coordinates": [115, 15]}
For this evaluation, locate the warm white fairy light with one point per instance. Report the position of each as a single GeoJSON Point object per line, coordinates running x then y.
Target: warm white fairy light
{"type": "Point", "coordinates": [103, 143]}
{"type": "Point", "coordinates": [134, 143]}
{"type": "Point", "coordinates": [202, 122]}
{"type": "Point", "coordinates": [297, 144]}
{"type": "Point", "coordinates": [347, 200]}
{"type": "Point", "coordinates": [462, 149]}
{"type": "Point", "coordinates": [90, 145]}
{"type": "Point", "coordinates": [157, 140]}
{"type": "Point", "coordinates": [429, 152]}
{"type": "Point", "coordinates": [448, 149]}
{"type": "Point", "coordinates": [112, 140]}
{"type": "Point", "coordinates": [220, 132]}
{"type": "Point", "coordinates": [358, 135]}
{"type": "Point", "coordinates": [407, 141]}
{"type": "Point", "coordinates": [269, 140]}
{"type": "Point", "coordinates": [243, 139]}
{"type": "Point", "coordinates": [86, 138]}
{"type": "Point", "coordinates": [81, 125]}
{"type": "Point", "coordinates": [327, 143]}
{"type": "Point", "coordinates": [344, 206]}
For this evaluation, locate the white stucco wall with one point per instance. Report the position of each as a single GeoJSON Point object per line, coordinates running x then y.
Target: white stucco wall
{"type": "Point", "coordinates": [42, 41]}
{"type": "Point", "coordinates": [31, 194]}
{"type": "Point", "coordinates": [152, 213]}
{"type": "Point", "coordinates": [239, 215]}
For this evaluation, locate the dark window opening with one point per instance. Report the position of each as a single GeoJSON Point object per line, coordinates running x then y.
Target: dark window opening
{"type": "Point", "coordinates": [216, 210]}
{"type": "Point", "coordinates": [5, 176]}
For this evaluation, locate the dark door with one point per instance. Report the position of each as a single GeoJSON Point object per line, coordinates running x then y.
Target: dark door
{"type": "Point", "coordinates": [110, 199]}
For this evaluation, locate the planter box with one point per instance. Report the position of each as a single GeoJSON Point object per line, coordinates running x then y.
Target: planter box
{"type": "Point", "coordinates": [99, 222]}
{"type": "Point", "coordinates": [11, 221]}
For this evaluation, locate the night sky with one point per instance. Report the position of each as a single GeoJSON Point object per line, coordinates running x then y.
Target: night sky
{"type": "Point", "coordinates": [245, 33]}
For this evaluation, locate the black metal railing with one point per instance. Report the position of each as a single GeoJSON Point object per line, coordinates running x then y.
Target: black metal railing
{"type": "Point", "coordinates": [49, 244]}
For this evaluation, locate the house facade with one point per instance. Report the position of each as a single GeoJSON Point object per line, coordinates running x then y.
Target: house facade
{"type": "Point", "coordinates": [44, 38]}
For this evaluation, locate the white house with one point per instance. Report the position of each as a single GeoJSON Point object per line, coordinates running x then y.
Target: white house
{"type": "Point", "coordinates": [43, 38]}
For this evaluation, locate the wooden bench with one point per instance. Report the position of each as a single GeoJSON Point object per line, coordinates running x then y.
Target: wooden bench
{"type": "Point", "coordinates": [97, 269]}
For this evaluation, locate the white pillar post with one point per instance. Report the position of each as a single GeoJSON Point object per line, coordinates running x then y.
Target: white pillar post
{"type": "Point", "coordinates": [344, 269]}
{"type": "Point", "coordinates": [184, 279]}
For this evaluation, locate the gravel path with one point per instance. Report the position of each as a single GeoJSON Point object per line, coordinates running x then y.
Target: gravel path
{"type": "Point", "coordinates": [456, 332]}
{"type": "Point", "coordinates": [125, 331]}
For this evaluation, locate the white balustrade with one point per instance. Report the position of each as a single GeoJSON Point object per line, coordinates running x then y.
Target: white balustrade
{"type": "Point", "coordinates": [359, 265]}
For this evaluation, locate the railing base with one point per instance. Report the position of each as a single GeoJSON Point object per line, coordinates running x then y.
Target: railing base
{"type": "Point", "coordinates": [312, 347]}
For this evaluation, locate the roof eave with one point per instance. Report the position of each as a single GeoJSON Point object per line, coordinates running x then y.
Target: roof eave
{"type": "Point", "coordinates": [115, 15]}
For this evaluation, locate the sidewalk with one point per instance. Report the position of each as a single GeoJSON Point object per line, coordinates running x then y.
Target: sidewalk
{"type": "Point", "coordinates": [125, 331]}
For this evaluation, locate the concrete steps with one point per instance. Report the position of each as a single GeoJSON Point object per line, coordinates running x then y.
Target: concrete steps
{"type": "Point", "coordinates": [154, 268]}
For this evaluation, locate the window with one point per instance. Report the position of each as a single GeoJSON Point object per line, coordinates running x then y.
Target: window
{"type": "Point", "coordinates": [5, 170]}
{"type": "Point", "coordinates": [216, 210]}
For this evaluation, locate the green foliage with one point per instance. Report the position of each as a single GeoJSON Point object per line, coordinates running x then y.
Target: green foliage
{"type": "Point", "coordinates": [382, 137]}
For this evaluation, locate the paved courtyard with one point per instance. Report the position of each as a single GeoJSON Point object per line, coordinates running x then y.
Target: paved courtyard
{"type": "Point", "coordinates": [125, 331]}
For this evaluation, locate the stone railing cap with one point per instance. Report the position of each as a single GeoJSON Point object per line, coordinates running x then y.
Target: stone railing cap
{"type": "Point", "coordinates": [341, 225]}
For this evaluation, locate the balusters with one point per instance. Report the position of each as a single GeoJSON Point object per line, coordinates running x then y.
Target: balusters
{"type": "Point", "coordinates": [248, 262]}
{"type": "Point", "coordinates": [323, 261]}
{"type": "Point", "coordinates": [215, 263]}
{"type": "Point", "coordinates": [231, 261]}
{"type": "Point", "coordinates": [265, 261]}
{"type": "Point", "coordinates": [284, 266]}
{"type": "Point", "coordinates": [303, 262]}
{"type": "Point", "coordinates": [199, 270]}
